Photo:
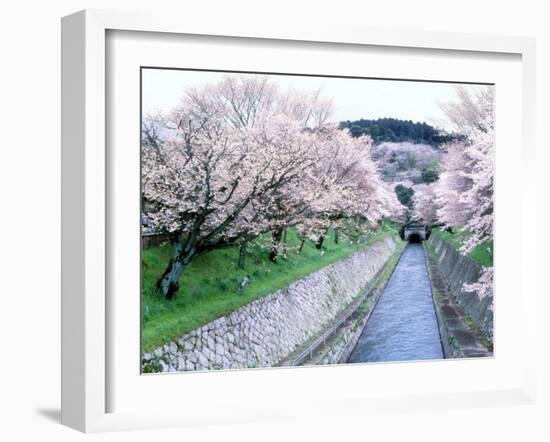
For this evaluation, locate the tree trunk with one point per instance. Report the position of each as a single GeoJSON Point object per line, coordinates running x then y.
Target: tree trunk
{"type": "Point", "coordinates": [276, 236]}
{"type": "Point", "coordinates": [301, 246]}
{"type": "Point", "coordinates": [168, 283]}
{"type": "Point", "coordinates": [336, 235]}
{"type": "Point", "coordinates": [319, 242]}
{"type": "Point", "coordinates": [284, 236]}
{"type": "Point", "coordinates": [242, 255]}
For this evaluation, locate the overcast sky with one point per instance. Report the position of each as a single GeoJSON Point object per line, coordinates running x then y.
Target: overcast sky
{"type": "Point", "coordinates": [353, 98]}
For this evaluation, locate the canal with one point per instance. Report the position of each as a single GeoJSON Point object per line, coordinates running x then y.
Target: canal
{"type": "Point", "coordinates": [403, 325]}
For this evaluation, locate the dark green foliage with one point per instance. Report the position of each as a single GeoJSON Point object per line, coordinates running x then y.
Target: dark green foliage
{"type": "Point", "coordinates": [404, 195]}
{"type": "Point", "coordinates": [395, 130]}
{"type": "Point", "coordinates": [429, 175]}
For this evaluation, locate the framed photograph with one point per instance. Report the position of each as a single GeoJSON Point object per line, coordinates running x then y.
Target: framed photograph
{"type": "Point", "coordinates": [270, 223]}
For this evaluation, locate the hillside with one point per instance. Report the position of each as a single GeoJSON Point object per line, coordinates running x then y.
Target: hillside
{"type": "Point", "coordinates": [394, 130]}
{"type": "Point", "coordinates": [406, 162]}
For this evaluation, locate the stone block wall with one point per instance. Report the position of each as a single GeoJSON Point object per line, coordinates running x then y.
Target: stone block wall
{"type": "Point", "coordinates": [268, 330]}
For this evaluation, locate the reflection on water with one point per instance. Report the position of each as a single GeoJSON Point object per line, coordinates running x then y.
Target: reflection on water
{"type": "Point", "coordinates": [403, 325]}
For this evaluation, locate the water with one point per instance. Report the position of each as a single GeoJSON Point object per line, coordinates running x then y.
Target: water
{"type": "Point", "coordinates": [403, 325]}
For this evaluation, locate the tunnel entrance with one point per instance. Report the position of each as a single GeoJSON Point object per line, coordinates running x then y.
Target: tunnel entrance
{"type": "Point", "coordinates": [415, 233]}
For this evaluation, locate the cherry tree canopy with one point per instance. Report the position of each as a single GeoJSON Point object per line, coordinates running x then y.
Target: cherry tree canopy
{"type": "Point", "coordinates": [424, 206]}
{"type": "Point", "coordinates": [465, 187]}
{"type": "Point", "coordinates": [239, 158]}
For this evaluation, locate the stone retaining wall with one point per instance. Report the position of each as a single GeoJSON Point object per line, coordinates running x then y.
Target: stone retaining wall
{"type": "Point", "coordinates": [458, 269]}
{"type": "Point", "coordinates": [268, 330]}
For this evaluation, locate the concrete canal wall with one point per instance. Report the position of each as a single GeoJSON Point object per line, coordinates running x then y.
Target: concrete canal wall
{"type": "Point", "coordinates": [457, 270]}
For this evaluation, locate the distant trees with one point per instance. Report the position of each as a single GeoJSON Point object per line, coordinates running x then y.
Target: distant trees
{"type": "Point", "coordinates": [239, 158]}
{"type": "Point", "coordinates": [429, 175]}
{"type": "Point", "coordinates": [394, 130]}
{"type": "Point", "coordinates": [405, 195]}
{"type": "Point", "coordinates": [405, 160]}
{"type": "Point", "coordinates": [423, 201]}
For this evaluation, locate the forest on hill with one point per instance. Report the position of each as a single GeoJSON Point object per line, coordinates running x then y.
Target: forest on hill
{"type": "Point", "coordinates": [394, 130]}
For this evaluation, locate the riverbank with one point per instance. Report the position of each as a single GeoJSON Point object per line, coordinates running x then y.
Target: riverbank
{"type": "Point", "coordinates": [210, 284]}
{"type": "Point", "coordinates": [266, 331]}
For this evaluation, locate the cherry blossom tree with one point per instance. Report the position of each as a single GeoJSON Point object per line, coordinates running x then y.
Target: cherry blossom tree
{"type": "Point", "coordinates": [346, 188]}
{"type": "Point", "coordinates": [238, 158]}
{"type": "Point", "coordinates": [465, 188]}
{"type": "Point", "coordinates": [424, 203]}
{"type": "Point", "coordinates": [453, 183]}
{"type": "Point", "coordinates": [222, 161]}
{"type": "Point", "coordinates": [484, 285]}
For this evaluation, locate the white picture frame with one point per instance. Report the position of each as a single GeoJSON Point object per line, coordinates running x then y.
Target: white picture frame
{"type": "Point", "coordinates": [85, 201]}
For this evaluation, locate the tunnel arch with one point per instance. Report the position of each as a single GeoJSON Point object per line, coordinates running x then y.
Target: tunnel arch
{"type": "Point", "coordinates": [415, 233]}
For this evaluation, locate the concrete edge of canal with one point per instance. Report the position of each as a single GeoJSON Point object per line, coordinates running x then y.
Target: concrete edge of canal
{"type": "Point", "coordinates": [337, 348]}
{"type": "Point", "coordinates": [361, 323]}
{"type": "Point", "coordinates": [460, 337]}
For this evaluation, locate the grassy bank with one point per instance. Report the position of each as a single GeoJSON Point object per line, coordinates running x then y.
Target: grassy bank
{"type": "Point", "coordinates": [209, 287]}
{"type": "Point", "coordinates": [482, 254]}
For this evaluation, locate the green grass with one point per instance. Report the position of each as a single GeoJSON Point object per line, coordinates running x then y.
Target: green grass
{"type": "Point", "coordinates": [482, 254]}
{"type": "Point", "coordinates": [209, 285]}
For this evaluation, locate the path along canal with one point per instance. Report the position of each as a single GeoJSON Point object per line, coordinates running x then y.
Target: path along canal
{"type": "Point", "coordinates": [403, 325]}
